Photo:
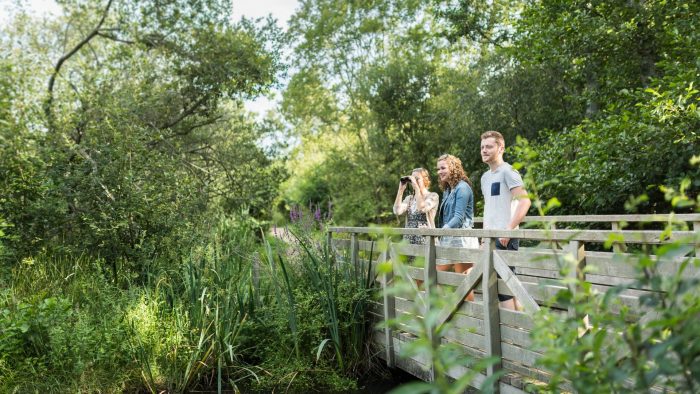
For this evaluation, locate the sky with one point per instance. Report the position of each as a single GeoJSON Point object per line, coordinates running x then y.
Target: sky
{"type": "Point", "coordinates": [281, 10]}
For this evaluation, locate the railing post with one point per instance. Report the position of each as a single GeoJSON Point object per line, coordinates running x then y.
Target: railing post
{"type": "Point", "coordinates": [618, 247]}
{"type": "Point", "coordinates": [578, 252]}
{"type": "Point", "coordinates": [430, 284]}
{"type": "Point", "coordinates": [354, 250]}
{"type": "Point", "coordinates": [696, 228]}
{"type": "Point", "coordinates": [389, 305]}
{"type": "Point", "coordinates": [492, 321]}
{"type": "Point", "coordinates": [330, 243]}
{"type": "Point", "coordinates": [430, 271]}
{"type": "Point", "coordinates": [256, 275]}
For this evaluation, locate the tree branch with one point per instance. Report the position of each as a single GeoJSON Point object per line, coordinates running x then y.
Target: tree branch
{"type": "Point", "coordinates": [196, 126]}
{"type": "Point", "coordinates": [185, 113]}
{"type": "Point", "coordinates": [114, 38]}
{"type": "Point", "coordinates": [207, 122]}
{"type": "Point", "coordinates": [52, 80]}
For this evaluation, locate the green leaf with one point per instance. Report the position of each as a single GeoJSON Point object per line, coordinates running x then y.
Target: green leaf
{"type": "Point", "coordinates": [321, 346]}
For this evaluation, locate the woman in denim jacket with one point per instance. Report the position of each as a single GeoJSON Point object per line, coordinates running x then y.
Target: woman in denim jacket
{"type": "Point", "coordinates": [456, 208]}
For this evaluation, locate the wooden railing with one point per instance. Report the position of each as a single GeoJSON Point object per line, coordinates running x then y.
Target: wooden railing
{"type": "Point", "coordinates": [481, 327]}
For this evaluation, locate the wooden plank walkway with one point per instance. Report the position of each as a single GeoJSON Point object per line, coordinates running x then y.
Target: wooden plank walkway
{"type": "Point", "coordinates": [480, 327]}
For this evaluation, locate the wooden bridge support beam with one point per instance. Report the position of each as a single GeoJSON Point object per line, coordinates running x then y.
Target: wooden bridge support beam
{"type": "Point", "coordinates": [389, 304]}
{"type": "Point", "coordinates": [492, 321]}
{"type": "Point", "coordinates": [519, 358]}
{"type": "Point", "coordinates": [430, 284]}
{"type": "Point", "coordinates": [577, 251]}
{"type": "Point", "coordinates": [696, 229]}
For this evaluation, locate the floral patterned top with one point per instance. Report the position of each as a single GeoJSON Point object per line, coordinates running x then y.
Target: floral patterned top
{"type": "Point", "coordinates": [415, 218]}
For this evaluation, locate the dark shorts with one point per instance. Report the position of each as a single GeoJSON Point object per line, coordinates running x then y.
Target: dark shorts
{"type": "Point", "coordinates": [513, 244]}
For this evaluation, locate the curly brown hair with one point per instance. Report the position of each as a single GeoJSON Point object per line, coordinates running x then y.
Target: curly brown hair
{"type": "Point", "coordinates": [457, 173]}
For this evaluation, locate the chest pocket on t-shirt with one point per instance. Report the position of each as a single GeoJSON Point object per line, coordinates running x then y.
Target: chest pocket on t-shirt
{"type": "Point", "coordinates": [496, 189]}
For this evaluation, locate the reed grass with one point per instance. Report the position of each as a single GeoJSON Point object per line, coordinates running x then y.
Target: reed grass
{"type": "Point", "coordinates": [193, 324]}
{"type": "Point", "coordinates": [336, 280]}
{"type": "Point", "coordinates": [207, 302]}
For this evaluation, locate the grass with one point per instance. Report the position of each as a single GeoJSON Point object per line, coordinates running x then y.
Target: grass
{"type": "Point", "coordinates": [200, 323]}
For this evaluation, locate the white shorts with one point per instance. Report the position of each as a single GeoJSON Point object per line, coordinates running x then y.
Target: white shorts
{"type": "Point", "coordinates": [457, 242]}
{"type": "Point", "coordinates": [460, 242]}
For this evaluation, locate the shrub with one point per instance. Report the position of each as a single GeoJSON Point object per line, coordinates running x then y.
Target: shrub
{"type": "Point", "coordinates": [621, 352]}
{"type": "Point", "coordinates": [57, 338]}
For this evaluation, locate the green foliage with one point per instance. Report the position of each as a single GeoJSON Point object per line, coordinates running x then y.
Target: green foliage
{"type": "Point", "coordinates": [622, 151]}
{"type": "Point", "coordinates": [193, 325]}
{"type": "Point", "coordinates": [56, 336]}
{"type": "Point", "coordinates": [143, 136]}
{"type": "Point", "coordinates": [141, 142]}
{"type": "Point", "coordinates": [603, 90]}
{"type": "Point", "coordinates": [480, 22]}
{"type": "Point", "coordinates": [26, 327]}
{"type": "Point", "coordinates": [187, 326]}
{"type": "Point", "coordinates": [621, 352]}
{"type": "Point", "coordinates": [3, 224]}
{"type": "Point", "coordinates": [602, 344]}
{"type": "Point", "coordinates": [371, 121]}
{"type": "Point", "coordinates": [319, 318]}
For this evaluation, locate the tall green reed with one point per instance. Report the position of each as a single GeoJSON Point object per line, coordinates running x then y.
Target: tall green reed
{"type": "Point", "coordinates": [344, 290]}
{"type": "Point", "coordinates": [278, 285]}
{"type": "Point", "coordinates": [204, 305]}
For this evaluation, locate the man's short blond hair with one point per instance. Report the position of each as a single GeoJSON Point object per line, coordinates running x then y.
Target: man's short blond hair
{"type": "Point", "coordinates": [496, 136]}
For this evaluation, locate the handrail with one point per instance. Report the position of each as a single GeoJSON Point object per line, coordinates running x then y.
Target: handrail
{"type": "Point", "coordinates": [629, 236]}
{"type": "Point", "coordinates": [646, 218]}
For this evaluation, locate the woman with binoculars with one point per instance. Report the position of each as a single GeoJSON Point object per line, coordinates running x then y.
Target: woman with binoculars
{"type": "Point", "coordinates": [420, 207]}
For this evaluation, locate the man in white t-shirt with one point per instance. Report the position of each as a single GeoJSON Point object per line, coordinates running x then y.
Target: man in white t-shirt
{"type": "Point", "coordinates": [505, 200]}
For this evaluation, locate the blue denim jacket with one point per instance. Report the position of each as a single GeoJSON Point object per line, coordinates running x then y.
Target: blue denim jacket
{"type": "Point", "coordinates": [457, 206]}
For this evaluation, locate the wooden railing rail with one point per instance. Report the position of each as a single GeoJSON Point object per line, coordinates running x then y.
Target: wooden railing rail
{"type": "Point", "coordinates": [629, 236]}
{"type": "Point", "coordinates": [650, 218]}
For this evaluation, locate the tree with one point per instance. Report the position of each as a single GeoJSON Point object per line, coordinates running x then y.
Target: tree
{"type": "Point", "coordinates": [367, 73]}
{"type": "Point", "coordinates": [593, 86]}
{"type": "Point", "coordinates": [138, 139]}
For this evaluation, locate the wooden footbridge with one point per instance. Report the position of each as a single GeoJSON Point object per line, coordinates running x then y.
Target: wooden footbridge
{"type": "Point", "coordinates": [481, 327]}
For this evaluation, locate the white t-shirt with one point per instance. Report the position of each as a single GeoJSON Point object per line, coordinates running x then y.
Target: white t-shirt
{"type": "Point", "coordinates": [499, 204]}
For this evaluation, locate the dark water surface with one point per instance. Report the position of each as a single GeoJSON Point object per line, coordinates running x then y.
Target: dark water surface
{"type": "Point", "coordinates": [376, 385]}
{"type": "Point", "coordinates": [372, 385]}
